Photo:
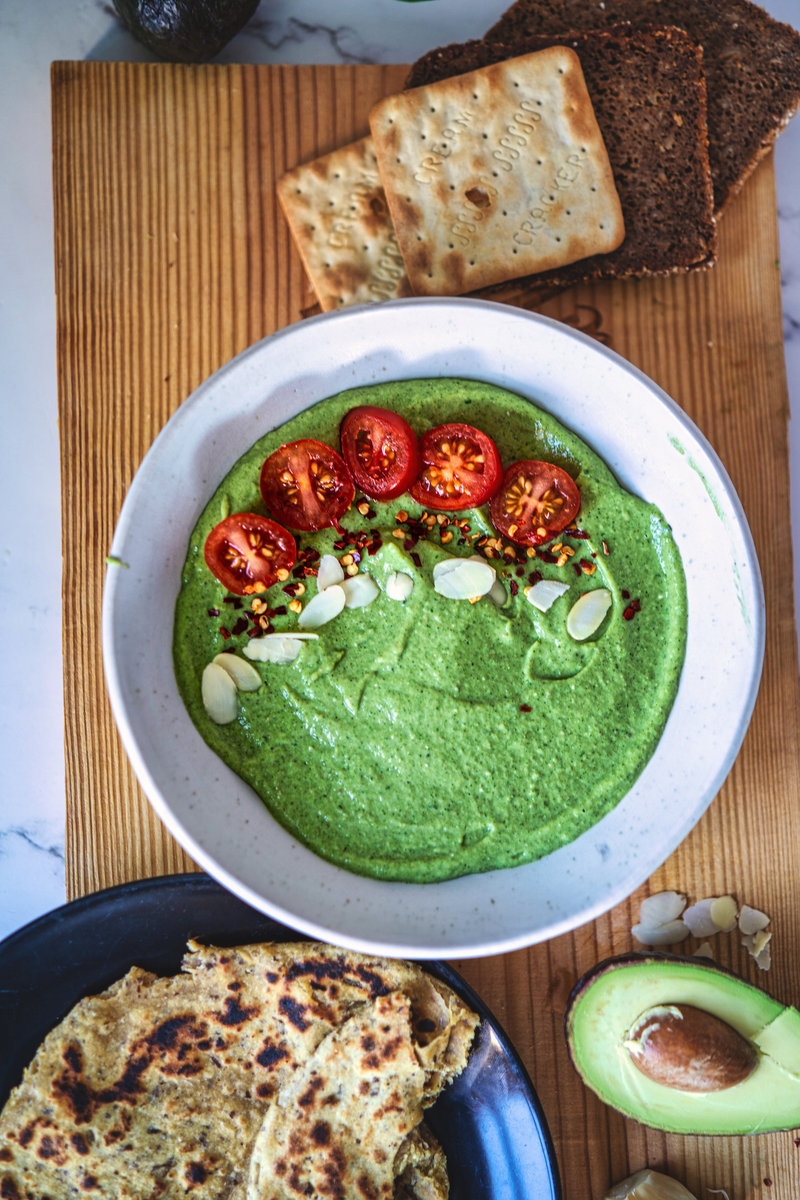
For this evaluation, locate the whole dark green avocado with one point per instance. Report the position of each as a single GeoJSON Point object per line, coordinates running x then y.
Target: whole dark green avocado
{"type": "Point", "coordinates": [185, 30]}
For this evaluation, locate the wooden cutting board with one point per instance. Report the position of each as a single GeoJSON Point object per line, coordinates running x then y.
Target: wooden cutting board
{"type": "Point", "coordinates": [171, 256]}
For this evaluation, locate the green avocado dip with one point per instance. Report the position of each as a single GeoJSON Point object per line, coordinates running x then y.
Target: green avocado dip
{"type": "Point", "coordinates": [429, 738]}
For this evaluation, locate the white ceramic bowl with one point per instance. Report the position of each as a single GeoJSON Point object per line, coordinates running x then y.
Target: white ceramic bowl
{"type": "Point", "coordinates": [654, 450]}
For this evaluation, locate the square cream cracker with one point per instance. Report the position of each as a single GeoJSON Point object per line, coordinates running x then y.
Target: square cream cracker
{"type": "Point", "coordinates": [340, 223]}
{"type": "Point", "coordinates": [497, 173]}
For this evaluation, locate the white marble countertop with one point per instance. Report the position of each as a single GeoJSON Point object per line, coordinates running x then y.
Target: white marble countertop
{"type": "Point", "coordinates": [31, 36]}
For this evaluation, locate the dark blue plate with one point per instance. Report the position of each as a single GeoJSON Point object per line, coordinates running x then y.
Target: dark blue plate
{"type": "Point", "coordinates": [489, 1120]}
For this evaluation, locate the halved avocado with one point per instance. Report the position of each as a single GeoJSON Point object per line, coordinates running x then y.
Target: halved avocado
{"type": "Point", "coordinates": [607, 1004]}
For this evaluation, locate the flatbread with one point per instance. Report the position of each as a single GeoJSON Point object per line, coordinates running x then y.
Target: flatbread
{"type": "Point", "coordinates": [339, 220]}
{"type": "Point", "coordinates": [337, 1128]}
{"type": "Point", "coordinates": [169, 1079]}
{"type": "Point", "coordinates": [497, 173]}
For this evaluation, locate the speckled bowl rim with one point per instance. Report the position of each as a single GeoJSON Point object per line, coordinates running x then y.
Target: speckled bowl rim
{"type": "Point", "coordinates": [652, 447]}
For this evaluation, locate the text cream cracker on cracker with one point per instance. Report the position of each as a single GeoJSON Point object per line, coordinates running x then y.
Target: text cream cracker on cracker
{"type": "Point", "coordinates": [496, 173]}
{"type": "Point", "coordinates": [340, 223]}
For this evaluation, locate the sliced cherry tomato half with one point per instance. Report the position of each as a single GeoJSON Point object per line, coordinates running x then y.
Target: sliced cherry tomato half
{"type": "Point", "coordinates": [306, 485]}
{"type": "Point", "coordinates": [381, 450]}
{"type": "Point", "coordinates": [461, 468]}
{"type": "Point", "coordinates": [245, 552]}
{"type": "Point", "coordinates": [536, 500]}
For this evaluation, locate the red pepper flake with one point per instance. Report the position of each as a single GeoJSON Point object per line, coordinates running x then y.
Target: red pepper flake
{"type": "Point", "coordinates": [415, 558]}
{"type": "Point", "coordinates": [525, 708]}
{"type": "Point", "coordinates": [767, 1183]}
{"type": "Point", "coordinates": [577, 568]}
{"type": "Point", "coordinates": [291, 589]}
{"type": "Point", "coordinates": [254, 632]}
{"type": "Point", "coordinates": [519, 572]}
{"type": "Point", "coordinates": [606, 550]}
{"type": "Point", "coordinates": [513, 587]}
{"type": "Point", "coordinates": [547, 556]}
{"type": "Point", "coordinates": [240, 626]}
{"type": "Point", "coordinates": [625, 594]}
{"type": "Point", "coordinates": [234, 600]}
{"type": "Point", "coordinates": [309, 571]}
{"type": "Point", "coordinates": [226, 633]}
{"type": "Point", "coordinates": [280, 611]}
{"type": "Point", "coordinates": [213, 612]}
{"type": "Point", "coordinates": [633, 608]}
{"type": "Point", "coordinates": [535, 577]}
{"type": "Point", "coordinates": [580, 534]}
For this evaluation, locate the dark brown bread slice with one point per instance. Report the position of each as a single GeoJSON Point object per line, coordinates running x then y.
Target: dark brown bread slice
{"type": "Point", "coordinates": [648, 92]}
{"type": "Point", "coordinates": [752, 65]}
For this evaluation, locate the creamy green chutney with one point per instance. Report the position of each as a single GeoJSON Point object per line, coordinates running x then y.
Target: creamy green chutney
{"type": "Point", "coordinates": [431, 738]}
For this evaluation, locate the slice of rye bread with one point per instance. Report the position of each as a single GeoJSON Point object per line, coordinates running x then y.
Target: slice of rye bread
{"type": "Point", "coordinates": [752, 65]}
{"type": "Point", "coordinates": [648, 92]}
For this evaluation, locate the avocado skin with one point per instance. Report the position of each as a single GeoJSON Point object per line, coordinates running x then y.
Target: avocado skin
{"type": "Point", "coordinates": [754, 1110]}
{"type": "Point", "coordinates": [185, 30]}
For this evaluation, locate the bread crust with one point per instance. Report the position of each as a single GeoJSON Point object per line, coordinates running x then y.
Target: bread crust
{"type": "Point", "coordinates": [648, 91]}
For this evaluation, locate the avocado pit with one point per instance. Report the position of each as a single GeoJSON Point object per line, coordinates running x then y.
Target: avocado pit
{"type": "Point", "coordinates": [688, 1049]}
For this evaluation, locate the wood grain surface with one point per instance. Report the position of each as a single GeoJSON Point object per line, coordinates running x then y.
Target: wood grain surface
{"type": "Point", "coordinates": [171, 257]}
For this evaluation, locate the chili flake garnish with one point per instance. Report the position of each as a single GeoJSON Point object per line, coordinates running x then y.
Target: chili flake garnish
{"type": "Point", "coordinates": [633, 608]}
{"type": "Point", "coordinates": [526, 708]}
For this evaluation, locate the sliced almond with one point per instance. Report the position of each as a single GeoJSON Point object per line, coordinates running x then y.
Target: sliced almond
{"type": "Point", "coordinates": [668, 934]}
{"type": "Point", "coordinates": [698, 918]}
{"type": "Point", "coordinates": [544, 594]}
{"type": "Point", "coordinates": [463, 578]}
{"type": "Point", "coordinates": [322, 608]}
{"type": "Point", "coordinates": [274, 648]}
{"type": "Point", "coordinates": [329, 571]}
{"type": "Point", "coordinates": [661, 908]}
{"type": "Point", "coordinates": [649, 1185]}
{"type": "Point", "coordinates": [751, 920]}
{"type": "Point", "coordinates": [399, 586]}
{"type": "Point", "coordinates": [246, 678]}
{"type": "Point", "coordinates": [758, 945]}
{"type": "Point", "coordinates": [497, 593]}
{"type": "Point", "coordinates": [588, 613]}
{"type": "Point", "coordinates": [360, 590]}
{"type": "Point", "coordinates": [219, 694]}
{"type": "Point", "coordinates": [724, 911]}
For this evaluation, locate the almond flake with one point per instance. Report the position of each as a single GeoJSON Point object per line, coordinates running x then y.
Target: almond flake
{"type": "Point", "coordinates": [751, 920]}
{"type": "Point", "coordinates": [698, 918]}
{"type": "Point", "coordinates": [399, 586]}
{"type": "Point", "coordinates": [323, 607]}
{"type": "Point", "coordinates": [246, 678]}
{"type": "Point", "coordinates": [545, 593]}
{"type": "Point", "coordinates": [661, 908]}
{"type": "Point", "coordinates": [360, 590]}
{"type": "Point", "coordinates": [665, 935]}
{"type": "Point", "coordinates": [463, 578]}
{"type": "Point", "coordinates": [329, 572]}
{"type": "Point", "coordinates": [723, 913]}
{"type": "Point", "coordinates": [219, 694]}
{"type": "Point", "coordinates": [588, 613]}
{"type": "Point", "coordinates": [274, 648]}
{"type": "Point", "coordinates": [497, 593]}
